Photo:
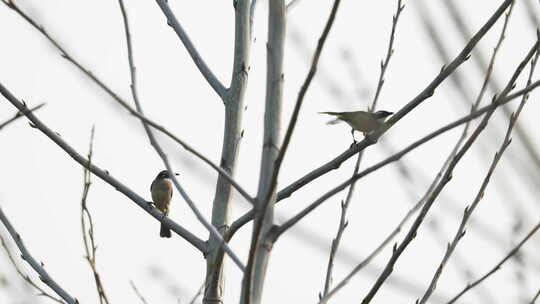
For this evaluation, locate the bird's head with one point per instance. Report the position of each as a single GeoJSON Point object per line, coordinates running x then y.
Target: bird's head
{"type": "Point", "coordinates": [382, 114]}
{"type": "Point", "coordinates": [164, 174]}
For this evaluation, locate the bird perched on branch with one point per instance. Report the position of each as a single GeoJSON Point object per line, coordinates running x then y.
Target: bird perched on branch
{"type": "Point", "coordinates": [161, 190]}
{"type": "Point", "coordinates": [362, 121]}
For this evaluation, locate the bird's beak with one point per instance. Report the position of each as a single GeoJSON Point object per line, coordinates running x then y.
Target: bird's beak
{"type": "Point", "coordinates": [176, 174]}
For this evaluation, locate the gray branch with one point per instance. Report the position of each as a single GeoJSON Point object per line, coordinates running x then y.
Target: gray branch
{"type": "Point", "coordinates": [205, 70]}
{"type": "Point", "coordinates": [261, 244]}
{"type": "Point", "coordinates": [38, 267]}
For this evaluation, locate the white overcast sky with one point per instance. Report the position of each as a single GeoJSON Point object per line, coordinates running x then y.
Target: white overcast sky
{"type": "Point", "coordinates": [41, 186]}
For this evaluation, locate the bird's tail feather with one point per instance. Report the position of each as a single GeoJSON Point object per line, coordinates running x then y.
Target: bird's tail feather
{"type": "Point", "coordinates": [333, 121]}
{"type": "Point", "coordinates": [331, 113]}
{"type": "Point", "coordinates": [164, 231]}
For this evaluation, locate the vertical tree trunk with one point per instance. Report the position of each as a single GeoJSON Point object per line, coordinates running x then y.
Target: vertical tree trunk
{"type": "Point", "coordinates": [234, 107]}
{"type": "Point", "coordinates": [261, 246]}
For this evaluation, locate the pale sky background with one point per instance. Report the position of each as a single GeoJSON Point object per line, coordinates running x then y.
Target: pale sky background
{"type": "Point", "coordinates": [42, 186]}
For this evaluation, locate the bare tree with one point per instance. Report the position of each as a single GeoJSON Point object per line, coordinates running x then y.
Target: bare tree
{"type": "Point", "coordinates": [251, 255]}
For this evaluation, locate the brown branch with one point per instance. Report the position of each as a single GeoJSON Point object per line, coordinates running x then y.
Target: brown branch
{"type": "Point", "coordinates": [523, 137]}
{"type": "Point", "coordinates": [498, 266]}
{"type": "Point", "coordinates": [470, 209]}
{"type": "Point", "coordinates": [88, 234]}
{"type": "Point", "coordinates": [411, 234]}
{"type": "Point", "coordinates": [139, 295]}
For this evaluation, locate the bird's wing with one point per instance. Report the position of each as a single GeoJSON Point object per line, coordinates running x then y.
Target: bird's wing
{"type": "Point", "coordinates": [331, 113]}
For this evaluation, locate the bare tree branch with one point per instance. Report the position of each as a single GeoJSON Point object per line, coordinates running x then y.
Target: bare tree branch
{"type": "Point", "coordinates": [103, 174]}
{"type": "Point", "coordinates": [411, 234]}
{"type": "Point", "coordinates": [470, 209]}
{"type": "Point", "coordinates": [25, 277]}
{"type": "Point", "coordinates": [523, 137]}
{"type": "Point", "coordinates": [88, 235]}
{"type": "Point", "coordinates": [198, 294]}
{"type": "Point", "coordinates": [137, 292]}
{"type": "Point", "coordinates": [291, 5]}
{"type": "Point", "coordinates": [65, 54]}
{"type": "Point", "coordinates": [192, 50]}
{"type": "Point", "coordinates": [383, 244]}
{"type": "Point", "coordinates": [498, 266]}
{"type": "Point", "coordinates": [38, 267]}
{"type": "Point", "coordinates": [162, 154]}
{"type": "Point", "coordinates": [535, 297]}
{"type": "Point", "coordinates": [18, 115]}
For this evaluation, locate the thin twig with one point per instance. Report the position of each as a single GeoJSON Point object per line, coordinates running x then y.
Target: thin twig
{"type": "Point", "coordinates": [192, 50]}
{"type": "Point", "coordinates": [25, 277]}
{"type": "Point", "coordinates": [65, 54]}
{"type": "Point", "coordinates": [103, 174]}
{"type": "Point", "coordinates": [124, 104]}
{"type": "Point", "coordinates": [160, 151]}
{"type": "Point", "coordinates": [38, 267]}
{"type": "Point", "coordinates": [470, 209]}
{"type": "Point", "coordinates": [381, 246]}
{"type": "Point", "coordinates": [198, 294]}
{"type": "Point", "coordinates": [498, 266]}
{"type": "Point", "coordinates": [88, 234]}
{"type": "Point", "coordinates": [411, 234]}
{"type": "Point", "coordinates": [137, 292]}
{"type": "Point", "coordinates": [523, 137]}
{"type": "Point", "coordinates": [345, 204]}
{"type": "Point", "coordinates": [18, 115]}
{"type": "Point", "coordinates": [533, 300]}
{"type": "Point", "coordinates": [291, 5]}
